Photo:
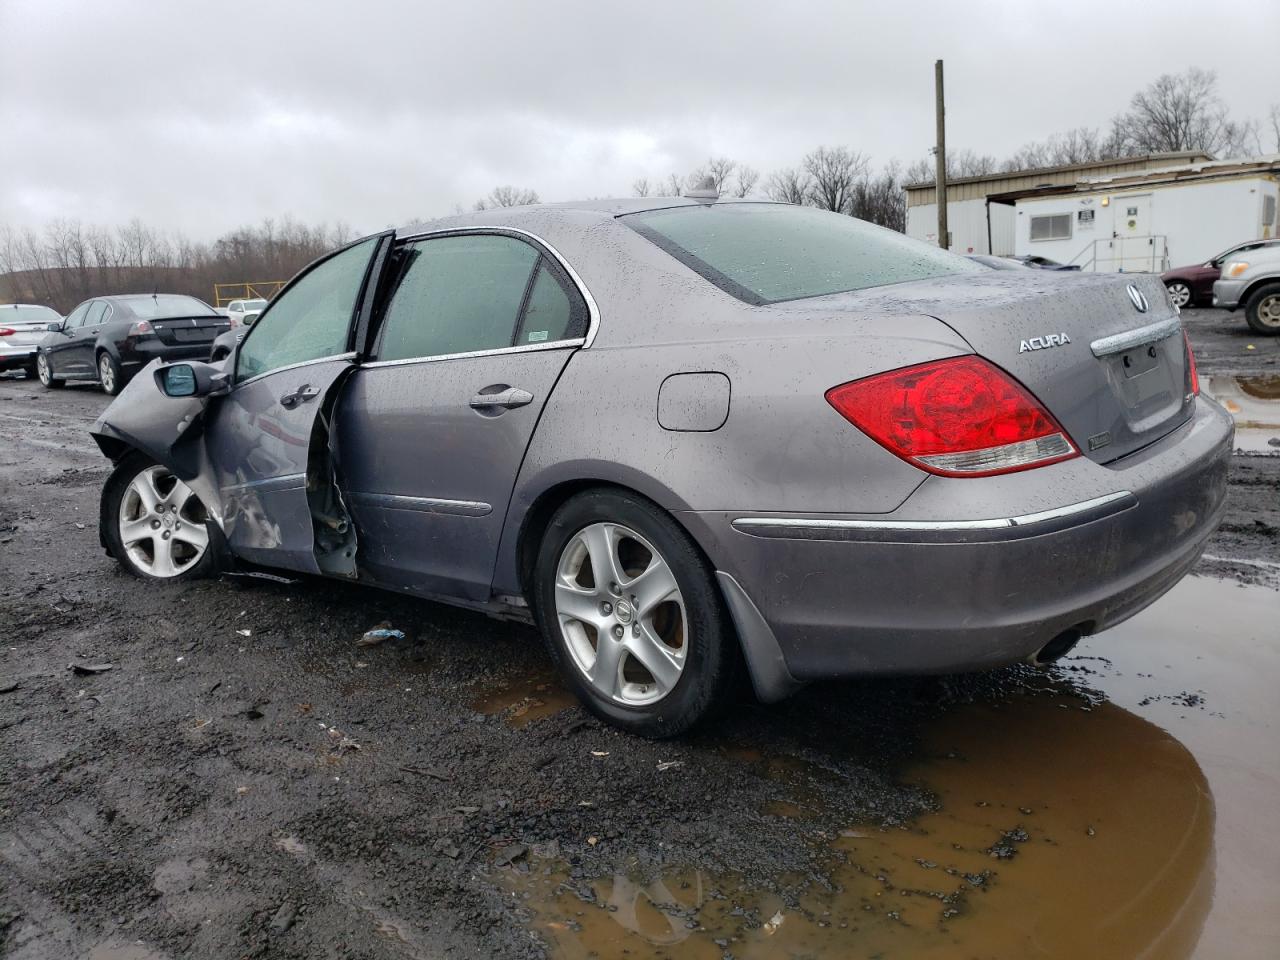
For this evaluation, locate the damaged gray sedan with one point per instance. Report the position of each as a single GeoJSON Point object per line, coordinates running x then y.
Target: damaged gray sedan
{"type": "Point", "coordinates": [688, 439]}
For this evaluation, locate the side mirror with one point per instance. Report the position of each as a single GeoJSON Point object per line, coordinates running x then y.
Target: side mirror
{"type": "Point", "coordinates": [193, 379]}
{"type": "Point", "coordinates": [54, 327]}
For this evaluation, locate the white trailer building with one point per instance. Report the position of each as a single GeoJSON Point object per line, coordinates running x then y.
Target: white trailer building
{"type": "Point", "coordinates": [980, 226]}
{"type": "Point", "coordinates": [1148, 221]}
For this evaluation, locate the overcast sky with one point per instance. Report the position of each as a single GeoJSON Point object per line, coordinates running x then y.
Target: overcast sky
{"type": "Point", "coordinates": [201, 116]}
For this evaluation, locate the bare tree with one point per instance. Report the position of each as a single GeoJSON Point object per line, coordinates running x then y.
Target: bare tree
{"type": "Point", "coordinates": [674, 185]}
{"type": "Point", "coordinates": [789, 185]}
{"type": "Point", "coordinates": [507, 197]}
{"type": "Point", "coordinates": [960, 163]}
{"type": "Point", "coordinates": [746, 181]}
{"type": "Point", "coordinates": [1273, 120]}
{"type": "Point", "coordinates": [641, 187]}
{"type": "Point", "coordinates": [1179, 112]}
{"type": "Point", "coordinates": [881, 199]}
{"type": "Point", "coordinates": [833, 172]}
{"type": "Point", "coordinates": [717, 169]}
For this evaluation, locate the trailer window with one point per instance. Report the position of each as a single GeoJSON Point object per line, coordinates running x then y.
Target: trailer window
{"type": "Point", "coordinates": [1056, 226]}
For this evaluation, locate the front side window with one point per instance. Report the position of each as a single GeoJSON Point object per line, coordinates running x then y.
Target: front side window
{"type": "Point", "coordinates": [768, 253]}
{"type": "Point", "coordinates": [312, 319]}
{"type": "Point", "coordinates": [457, 295]}
{"type": "Point", "coordinates": [76, 317]}
{"type": "Point", "coordinates": [1054, 227]}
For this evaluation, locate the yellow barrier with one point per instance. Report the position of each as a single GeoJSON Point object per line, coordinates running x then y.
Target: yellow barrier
{"type": "Point", "coordinates": [224, 293]}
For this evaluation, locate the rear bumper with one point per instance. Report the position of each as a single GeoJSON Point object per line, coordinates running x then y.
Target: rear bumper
{"type": "Point", "coordinates": [15, 356]}
{"type": "Point", "coordinates": [139, 354]}
{"type": "Point", "coordinates": [1226, 293]}
{"type": "Point", "coordinates": [920, 591]}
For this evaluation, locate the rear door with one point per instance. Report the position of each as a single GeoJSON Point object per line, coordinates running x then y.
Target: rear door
{"type": "Point", "coordinates": [266, 438]}
{"type": "Point", "coordinates": [81, 356]}
{"type": "Point", "coordinates": [432, 432]}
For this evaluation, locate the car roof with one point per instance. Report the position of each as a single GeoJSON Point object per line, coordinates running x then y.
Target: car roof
{"type": "Point", "coordinates": [586, 211]}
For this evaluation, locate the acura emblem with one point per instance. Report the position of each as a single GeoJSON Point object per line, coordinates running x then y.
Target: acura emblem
{"type": "Point", "coordinates": [1137, 299]}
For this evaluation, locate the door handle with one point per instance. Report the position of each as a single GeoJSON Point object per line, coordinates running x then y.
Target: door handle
{"type": "Point", "coordinates": [507, 399]}
{"type": "Point", "coordinates": [301, 395]}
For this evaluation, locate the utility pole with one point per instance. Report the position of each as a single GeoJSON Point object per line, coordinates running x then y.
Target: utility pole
{"type": "Point", "coordinates": [940, 154]}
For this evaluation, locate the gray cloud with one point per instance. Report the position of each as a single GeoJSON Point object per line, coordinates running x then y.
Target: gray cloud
{"type": "Point", "coordinates": [203, 116]}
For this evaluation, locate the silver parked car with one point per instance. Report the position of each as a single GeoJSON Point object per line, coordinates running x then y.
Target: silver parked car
{"type": "Point", "coordinates": [687, 437]}
{"type": "Point", "coordinates": [22, 327]}
{"type": "Point", "coordinates": [1251, 280]}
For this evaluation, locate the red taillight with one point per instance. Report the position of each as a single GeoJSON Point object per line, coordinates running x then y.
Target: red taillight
{"type": "Point", "coordinates": [7, 331]}
{"type": "Point", "coordinates": [139, 328]}
{"type": "Point", "coordinates": [1191, 366]}
{"type": "Point", "coordinates": [960, 417]}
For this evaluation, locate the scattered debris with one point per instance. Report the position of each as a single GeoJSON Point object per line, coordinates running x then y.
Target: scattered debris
{"type": "Point", "coordinates": [8, 686]}
{"type": "Point", "coordinates": [284, 917]}
{"type": "Point", "coordinates": [773, 923]}
{"type": "Point", "coordinates": [379, 634]}
{"type": "Point", "coordinates": [245, 633]}
{"type": "Point", "coordinates": [592, 841]}
{"type": "Point", "coordinates": [605, 753]}
{"type": "Point", "coordinates": [427, 772]}
{"type": "Point", "coordinates": [88, 669]}
{"type": "Point", "coordinates": [669, 764]}
{"type": "Point", "coordinates": [508, 855]}
{"type": "Point", "coordinates": [446, 846]}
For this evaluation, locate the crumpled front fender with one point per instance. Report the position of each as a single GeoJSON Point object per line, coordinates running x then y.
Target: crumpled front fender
{"type": "Point", "coordinates": [169, 430]}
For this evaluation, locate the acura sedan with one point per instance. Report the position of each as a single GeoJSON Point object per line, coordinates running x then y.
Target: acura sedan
{"type": "Point", "coordinates": [689, 438]}
{"type": "Point", "coordinates": [109, 339]}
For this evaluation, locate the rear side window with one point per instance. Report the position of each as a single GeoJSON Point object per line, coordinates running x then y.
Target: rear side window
{"type": "Point", "coordinates": [551, 313]}
{"type": "Point", "coordinates": [768, 253]}
{"type": "Point", "coordinates": [96, 313]}
{"type": "Point", "coordinates": [312, 319]}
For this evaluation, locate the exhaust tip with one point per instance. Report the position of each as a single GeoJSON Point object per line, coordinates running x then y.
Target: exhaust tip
{"type": "Point", "coordinates": [1057, 648]}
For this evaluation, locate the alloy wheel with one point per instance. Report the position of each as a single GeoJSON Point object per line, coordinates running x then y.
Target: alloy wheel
{"type": "Point", "coordinates": [1269, 311]}
{"type": "Point", "coordinates": [1180, 294]}
{"type": "Point", "coordinates": [42, 369]}
{"type": "Point", "coordinates": [621, 614]}
{"type": "Point", "coordinates": [107, 373]}
{"type": "Point", "coordinates": [162, 524]}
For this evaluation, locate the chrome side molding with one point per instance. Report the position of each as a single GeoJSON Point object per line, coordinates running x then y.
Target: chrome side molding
{"type": "Point", "coordinates": [925, 531]}
{"type": "Point", "coordinates": [388, 501]}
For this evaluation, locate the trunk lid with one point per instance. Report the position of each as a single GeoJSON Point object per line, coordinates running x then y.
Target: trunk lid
{"type": "Point", "coordinates": [185, 331]}
{"type": "Point", "coordinates": [23, 333]}
{"type": "Point", "coordinates": [1104, 353]}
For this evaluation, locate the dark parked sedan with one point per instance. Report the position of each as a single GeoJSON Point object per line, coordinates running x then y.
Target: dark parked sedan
{"type": "Point", "coordinates": [109, 339]}
{"type": "Point", "coordinates": [1192, 285]}
{"type": "Point", "coordinates": [688, 437]}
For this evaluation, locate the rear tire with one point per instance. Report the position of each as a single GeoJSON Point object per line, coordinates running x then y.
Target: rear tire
{"type": "Point", "coordinates": [1179, 293]}
{"type": "Point", "coordinates": [155, 526]}
{"type": "Point", "coordinates": [1263, 310]}
{"type": "Point", "coordinates": [632, 615]}
{"type": "Point", "coordinates": [44, 373]}
{"type": "Point", "coordinates": [110, 375]}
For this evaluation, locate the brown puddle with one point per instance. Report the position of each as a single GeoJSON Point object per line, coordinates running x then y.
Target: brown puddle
{"type": "Point", "coordinates": [1066, 827]}
{"type": "Point", "coordinates": [529, 700]}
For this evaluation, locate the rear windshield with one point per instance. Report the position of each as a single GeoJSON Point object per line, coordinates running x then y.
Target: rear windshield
{"type": "Point", "coordinates": [767, 253]}
{"type": "Point", "coordinates": [168, 305]}
{"type": "Point", "coordinates": [28, 314]}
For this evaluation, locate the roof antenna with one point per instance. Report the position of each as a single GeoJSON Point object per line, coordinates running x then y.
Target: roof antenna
{"type": "Point", "coordinates": [705, 190]}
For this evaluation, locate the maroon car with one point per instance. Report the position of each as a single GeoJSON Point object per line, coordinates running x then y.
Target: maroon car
{"type": "Point", "coordinates": [1193, 286]}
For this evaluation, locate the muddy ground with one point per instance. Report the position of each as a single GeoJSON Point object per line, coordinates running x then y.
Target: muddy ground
{"type": "Point", "coordinates": [246, 781]}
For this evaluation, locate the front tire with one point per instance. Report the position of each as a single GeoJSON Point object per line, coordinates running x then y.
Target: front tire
{"type": "Point", "coordinates": [1179, 293]}
{"type": "Point", "coordinates": [155, 526]}
{"type": "Point", "coordinates": [632, 615]}
{"type": "Point", "coordinates": [44, 373]}
{"type": "Point", "coordinates": [1263, 310]}
{"type": "Point", "coordinates": [109, 375]}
